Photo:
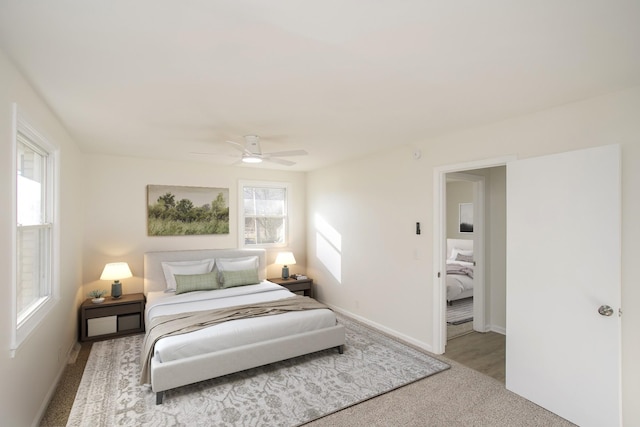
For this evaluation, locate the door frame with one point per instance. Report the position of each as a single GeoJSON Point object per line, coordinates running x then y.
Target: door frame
{"type": "Point", "coordinates": [440, 244]}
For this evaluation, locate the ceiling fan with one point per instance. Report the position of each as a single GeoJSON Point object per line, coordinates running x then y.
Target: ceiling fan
{"type": "Point", "coordinates": [252, 153]}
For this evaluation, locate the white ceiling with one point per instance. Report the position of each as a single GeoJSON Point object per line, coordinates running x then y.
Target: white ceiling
{"type": "Point", "coordinates": [338, 78]}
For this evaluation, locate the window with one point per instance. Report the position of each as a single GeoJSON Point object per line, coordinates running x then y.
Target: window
{"type": "Point", "coordinates": [34, 288]}
{"type": "Point", "coordinates": [264, 213]}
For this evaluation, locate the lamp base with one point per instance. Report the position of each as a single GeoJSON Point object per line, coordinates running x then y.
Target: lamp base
{"type": "Point", "coordinates": [285, 272]}
{"type": "Point", "coordinates": [116, 290]}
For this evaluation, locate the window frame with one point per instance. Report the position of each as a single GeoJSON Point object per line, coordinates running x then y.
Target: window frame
{"type": "Point", "coordinates": [241, 215]}
{"type": "Point", "coordinates": [23, 325]}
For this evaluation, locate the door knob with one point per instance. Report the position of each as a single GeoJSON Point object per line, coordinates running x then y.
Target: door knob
{"type": "Point", "coordinates": [605, 310]}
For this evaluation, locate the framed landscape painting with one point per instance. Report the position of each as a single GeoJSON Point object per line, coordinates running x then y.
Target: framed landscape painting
{"type": "Point", "coordinates": [180, 211]}
{"type": "Point", "coordinates": [466, 218]}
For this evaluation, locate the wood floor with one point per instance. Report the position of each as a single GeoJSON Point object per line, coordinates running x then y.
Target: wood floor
{"type": "Point", "coordinates": [484, 352]}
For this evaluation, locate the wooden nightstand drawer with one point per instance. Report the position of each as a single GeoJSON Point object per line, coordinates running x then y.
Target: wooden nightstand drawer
{"type": "Point", "coordinates": [296, 285]}
{"type": "Point", "coordinates": [113, 310]}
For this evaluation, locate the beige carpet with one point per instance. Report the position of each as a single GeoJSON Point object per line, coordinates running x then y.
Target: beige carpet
{"type": "Point", "coordinates": [59, 408]}
{"type": "Point", "coordinates": [459, 396]}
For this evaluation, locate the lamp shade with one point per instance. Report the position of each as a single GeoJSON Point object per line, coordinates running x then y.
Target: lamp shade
{"type": "Point", "coordinates": [285, 258]}
{"type": "Point", "coordinates": [116, 271]}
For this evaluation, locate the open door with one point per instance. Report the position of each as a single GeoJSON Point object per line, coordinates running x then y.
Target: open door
{"type": "Point", "coordinates": [563, 283]}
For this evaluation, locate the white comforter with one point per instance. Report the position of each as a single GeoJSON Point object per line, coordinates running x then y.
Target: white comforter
{"type": "Point", "coordinates": [459, 280]}
{"type": "Point", "coordinates": [233, 333]}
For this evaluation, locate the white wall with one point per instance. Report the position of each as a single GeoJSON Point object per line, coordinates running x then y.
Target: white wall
{"type": "Point", "coordinates": [373, 204]}
{"type": "Point", "coordinates": [29, 379]}
{"type": "Point", "coordinates": [115, 197]}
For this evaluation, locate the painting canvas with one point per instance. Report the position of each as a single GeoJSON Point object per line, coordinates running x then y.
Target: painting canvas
{"type": "Point", "coordinates": [179, 211]}
{"type": "Point", "coordinates": [466, 218]}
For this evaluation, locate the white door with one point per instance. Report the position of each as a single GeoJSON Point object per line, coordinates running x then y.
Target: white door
{"type": "Point", "coordinates": [563, 264]}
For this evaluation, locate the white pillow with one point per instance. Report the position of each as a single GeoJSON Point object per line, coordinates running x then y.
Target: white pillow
{"type": "Point", "coordinates": [236, 264]}
{"type": "Point", "coordinates": [170, 269]}
{"type": "Point", "coordinates": [456, 251]}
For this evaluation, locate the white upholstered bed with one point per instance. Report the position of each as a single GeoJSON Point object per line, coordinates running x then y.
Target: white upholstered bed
{"type": "Point", "coordinates": [234, 345]}
{"type": "Point", "coordinates": [460, 264]}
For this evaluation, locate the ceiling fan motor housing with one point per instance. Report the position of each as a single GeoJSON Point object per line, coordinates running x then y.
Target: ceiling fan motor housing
{"type": "Point", "coordinates": [252, 144]}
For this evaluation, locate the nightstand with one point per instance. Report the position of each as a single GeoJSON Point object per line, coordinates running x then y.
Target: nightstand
{"type": "Point", "coordinates": [296, 285]}
{"type": "Point", "coordinates": [112, 318]}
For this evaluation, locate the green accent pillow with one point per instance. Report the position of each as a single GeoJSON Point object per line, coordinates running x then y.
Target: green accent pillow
{"type": "Point", "coordinates": [239, 278]}
{"type": "Point", "coordinates": [196, 282]}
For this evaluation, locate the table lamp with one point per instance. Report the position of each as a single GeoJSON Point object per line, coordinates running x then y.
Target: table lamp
{"type": "Point", "coordinates": [286, 259]}
{"type": "Point", "coordinates": [116, 271]}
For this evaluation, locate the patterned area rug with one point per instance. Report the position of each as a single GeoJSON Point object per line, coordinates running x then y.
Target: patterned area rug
{"type": "Point", "coordinates": [287, 393]}
{"type": "Point", "coordinates": [460, 311]}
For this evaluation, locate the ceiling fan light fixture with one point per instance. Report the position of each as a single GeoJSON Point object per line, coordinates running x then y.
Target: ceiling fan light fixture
{"type": "Point", "coordinates": [252, 153]}
{"type": "Point", "coordinates": [251, 159]}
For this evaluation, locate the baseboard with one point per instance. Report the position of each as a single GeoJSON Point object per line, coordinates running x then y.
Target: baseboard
{"type": "Point", "coordinates": [421, 345]}
{"type": "Point", "coordinates": [73, 353]}
{"type": "Point", "coordinates": [75, 348]}
{"type": "Point", "coordinates": [498, 329]}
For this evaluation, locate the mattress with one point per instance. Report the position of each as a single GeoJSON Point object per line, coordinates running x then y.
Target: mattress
{"type": "Point", "coordinates": [233, 333]}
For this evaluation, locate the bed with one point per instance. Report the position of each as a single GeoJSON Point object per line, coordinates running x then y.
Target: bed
{"type": "Point", "coordinates": [229, 346]}
{"type": "Point", "coordinates": [460, 266]}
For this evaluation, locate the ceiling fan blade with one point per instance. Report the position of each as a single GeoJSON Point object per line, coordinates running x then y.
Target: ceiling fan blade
{"type": "Point", "coordinates": [239, 146]}
{"type": "Point", "coordinates": [286, 153]}
{"type": "Point", "coordinates": [202, 153]}
{"type": "Point", "coordinates": [280, 161]}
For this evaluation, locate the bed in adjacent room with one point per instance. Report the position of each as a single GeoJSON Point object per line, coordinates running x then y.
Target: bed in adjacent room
{"type": "Point", "coordinates": [460, 265]}
{"type": "Point", "coordinates": [211, 312]}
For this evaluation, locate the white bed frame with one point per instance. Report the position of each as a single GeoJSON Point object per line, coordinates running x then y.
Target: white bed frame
{"type": "Point", "coordinates": [464, 244]}
{"type": "Point", "coordinates": [177, 373]}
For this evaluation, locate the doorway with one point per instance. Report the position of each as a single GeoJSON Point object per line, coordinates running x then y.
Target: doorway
{"type": "Point", "coordinates": [489, 240]}
{"type": "Point", "coordinates": [476, 344]}
{"type": "Point", "coordinates": [464, 288]}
